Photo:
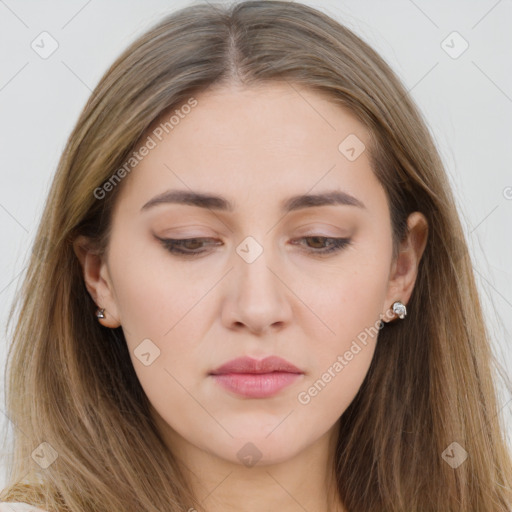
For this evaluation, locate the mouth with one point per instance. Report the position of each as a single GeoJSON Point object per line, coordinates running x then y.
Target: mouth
{"type": "Point", "coordinates": [252, 378]}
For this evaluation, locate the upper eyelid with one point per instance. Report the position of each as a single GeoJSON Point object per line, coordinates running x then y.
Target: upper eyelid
{"type": "Point", "coordinates": [187, 238]}
{"type": "Point", "coordinates": [338, 241]}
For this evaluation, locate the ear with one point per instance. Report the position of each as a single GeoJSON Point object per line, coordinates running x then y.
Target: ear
{"type": "Point", "coordinates": [404, 269]}
{"type": "Point", "coordinates": [97, 280]}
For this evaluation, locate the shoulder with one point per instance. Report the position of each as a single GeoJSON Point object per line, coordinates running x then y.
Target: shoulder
{"type": "Point", "coordinates": [7, 506]}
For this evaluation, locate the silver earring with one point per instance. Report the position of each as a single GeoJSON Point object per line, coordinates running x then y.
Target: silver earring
{"type": "Point", "coordinates": [100, 313]}
{"type": "Point", "coordinates": [399, 309]}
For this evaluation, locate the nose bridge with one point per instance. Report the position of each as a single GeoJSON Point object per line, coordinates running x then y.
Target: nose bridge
{"type": "Point", "coordinates": [259, 299]}
{"type": "Point", "coordinates": [255, 261]}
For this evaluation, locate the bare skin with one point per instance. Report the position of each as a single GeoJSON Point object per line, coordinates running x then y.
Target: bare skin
{"type": "Point", "coordinates": [256, 147]}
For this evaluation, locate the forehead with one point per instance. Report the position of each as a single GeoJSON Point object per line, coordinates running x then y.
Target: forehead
{"type": "Point", "coordinates": [266, 118]}
{"type": "Point", "coordinates": [249, 143]}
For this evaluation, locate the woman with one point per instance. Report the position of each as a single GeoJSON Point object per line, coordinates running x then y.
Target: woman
{"type": "Point", "coordinates": [251, 289]}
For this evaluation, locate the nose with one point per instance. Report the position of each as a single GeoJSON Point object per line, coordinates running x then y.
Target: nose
{"type": "Point", "coordinates": [259, 295]}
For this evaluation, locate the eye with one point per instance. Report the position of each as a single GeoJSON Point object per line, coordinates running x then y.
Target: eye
{"type": "Point", "coordinates": [336, 244]}
{"type": "Point", "coordinates": [184, 246]}
{"type": "Point", "coordinates": [189, 247]}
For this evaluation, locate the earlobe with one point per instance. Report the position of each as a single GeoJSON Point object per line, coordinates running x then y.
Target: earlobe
{"type": "Point", "coordinates": [93, 268]}
{"type": "Point", "coordinates": [405, 268]}
{"type": "Point", "coordinates": [105, 319]}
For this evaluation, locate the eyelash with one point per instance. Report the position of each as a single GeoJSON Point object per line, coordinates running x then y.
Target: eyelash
{"type": "Point", "coordinates": [172, 245]}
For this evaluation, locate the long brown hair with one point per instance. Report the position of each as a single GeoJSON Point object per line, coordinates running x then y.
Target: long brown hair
{"type": "Point", "coordinates": [72, 390]}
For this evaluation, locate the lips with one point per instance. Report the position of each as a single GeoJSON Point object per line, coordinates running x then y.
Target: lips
{"type": "Point", "coordinates": [248, 365]}
{"type": "Point", "coordinates": [252, 378]}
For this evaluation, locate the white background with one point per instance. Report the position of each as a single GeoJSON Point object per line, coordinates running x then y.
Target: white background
{"type": "Point", "coordinates": [467, 102]}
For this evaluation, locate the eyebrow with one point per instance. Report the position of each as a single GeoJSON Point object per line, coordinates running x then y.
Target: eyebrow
{"type": "Point", "coordinates": [220, 203]}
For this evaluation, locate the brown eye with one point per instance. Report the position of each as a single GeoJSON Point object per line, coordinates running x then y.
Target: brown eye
{"type": "Point", "coordinates": [185, 246]}
{"type": "Point", "coordinates": [318, 246]}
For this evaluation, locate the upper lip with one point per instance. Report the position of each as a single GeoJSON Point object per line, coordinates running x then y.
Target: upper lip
{"type": "Point", "coordinates": [249, 365]}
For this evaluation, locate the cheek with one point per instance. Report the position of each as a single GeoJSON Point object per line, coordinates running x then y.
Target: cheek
{"type": "Point", "coordinates": [350, 305]}
{"type": "Point", "coordinates": [350, 298]}
{"type": "Point", "coordinates": [153, 294]}
{"type": "Point", "coordinates": [366, 280]}
{"type": "Point", "coordinates": [359, 303]}
{"type": "Point", "coordinates": [342, 357]}
{"type": "Point", "coordinates": [163, 320]}
{"type": "Point", "coordinates": [160, 321]}
{"type": "Point", "coordinates": [325, 396]}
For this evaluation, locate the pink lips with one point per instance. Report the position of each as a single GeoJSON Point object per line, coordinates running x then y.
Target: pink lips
{"type": "Point", "coordinates": [254, 378]}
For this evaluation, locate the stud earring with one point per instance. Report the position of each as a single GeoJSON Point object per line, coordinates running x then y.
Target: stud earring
{"type": "Point", "coordinates": [399, 309]}
{"type": "Point", "coordinates": [100, 313]}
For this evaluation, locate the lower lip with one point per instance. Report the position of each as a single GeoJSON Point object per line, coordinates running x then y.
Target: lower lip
{"type": "Point", "coordinates": [256, 385]}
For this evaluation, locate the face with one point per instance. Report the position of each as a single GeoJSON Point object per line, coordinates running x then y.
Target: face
{"type": "Point", "coordinates": [262, 276]}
